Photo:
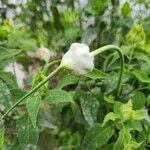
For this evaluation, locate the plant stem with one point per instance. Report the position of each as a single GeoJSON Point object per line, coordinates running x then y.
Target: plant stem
{"type": "Point", "coordinates": [113, 47]}
{"type": "Point", "coordinates": [48, 65]}
{"type": "Point", "coordinates": [33, 90]}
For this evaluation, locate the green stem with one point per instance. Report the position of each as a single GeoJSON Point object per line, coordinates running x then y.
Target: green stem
{"type": "Point", "coordinates": [113, 47]}
{"type": "Point", "coordinates": [33, 90]}
{"type": "Point", "coordinates": [48, 65]}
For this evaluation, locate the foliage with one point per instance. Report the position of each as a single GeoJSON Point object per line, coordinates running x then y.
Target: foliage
{"type": "Point", "coordinates": [73, 112]}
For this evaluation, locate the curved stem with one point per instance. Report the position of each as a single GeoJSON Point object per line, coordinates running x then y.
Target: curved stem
{"type": "Point", "coordinates": [113, 47]}
{"type": "Point", "coordinates": [48, 65]}
{"type": "Point", "coordinates": [33, 90]}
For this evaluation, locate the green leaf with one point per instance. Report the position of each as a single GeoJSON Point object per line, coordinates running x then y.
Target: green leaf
{"type": "Point", "coordinates": [89, 106]}
{"type": "Point", "coordinates": [141, 76]}
{"type": "Point", "coordinates": [17, 94]}
{"type": "Point", "coordinates": [126, 10]}
{"type": "Point", "coordinates": [5, 29]}
{"type": "Point", "coordinates": [148, 100]}
{"type": "Point", "coordinates": [71, 34]}
{"type": "Point", "coordinates": [99, 6]}
{"type": "Point", "coordinates": [142, 56]}
{"type": "Point", "coordinates": [97, 136]}
{"type": "Point", "coordinates": [57, 96]}
{"type": "Point", "coordinates": [138, 100]}
{"type": "Point", "coordinates": [126, 110]}
{"type": "Point", "coordinates": [131, 145]}
{"type": "Point", "coordinates": [67, 80]}
{"type": "Point", "coordinates": [140, 114]}
{"type": "Point", "coordinates": [110, 116]}
{"type": "Point", "coordinates": [9, 79]}
{"type": "Point", "coordinates": [38, 78]}
{"type": "Point", "coordinates": [135, 125]}
{"type": "Point", "coordinates": [125, 49]}
{"type": "Point", "coordinates": [8, 53]}
{"type": "Point", "coordinates": [117, 108]}
{"type": "Point", "coordinates": [26, 134]}
{"type": "Point", "coordinates": [124, 138]}
{"type": "Point", "coordinates": [1, 138]}
{"type": "Point", "coordinates": [110, 82]}
{"type": "Point", "coordinates": [119, 143]}
{"type": "Point", "coordinates": [145, 48]}
{"type": "Point", "coordinates": [109, 99]}
{"type": "Point", "coordinates": [96, 74]}
{"type": "Point", "coordinates": [33, 105]}
{"type": "Point", "coordinates": [24, 61]}
{"type": "Point", "coordinates": [5, 95]}
{"type": "Point", "coordinates": [137, 35]}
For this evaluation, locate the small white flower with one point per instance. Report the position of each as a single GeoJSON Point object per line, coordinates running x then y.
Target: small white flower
{"type": "Point", "coordinates": [44, 54]}
{"type": "Point", "coordinates": [78, 59]}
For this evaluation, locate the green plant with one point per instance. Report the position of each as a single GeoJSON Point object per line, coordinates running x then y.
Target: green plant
{"type": "Point", "coordinates": [66, 64]}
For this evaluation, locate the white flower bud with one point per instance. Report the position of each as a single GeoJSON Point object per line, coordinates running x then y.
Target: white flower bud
{"type": "Point", "coordinates": [78, 59]}
{"type": "Point", "coordinates": [44, 54]}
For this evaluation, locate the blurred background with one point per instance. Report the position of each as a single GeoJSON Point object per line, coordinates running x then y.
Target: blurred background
{"type": "Point", "coordinates": [57, 23]}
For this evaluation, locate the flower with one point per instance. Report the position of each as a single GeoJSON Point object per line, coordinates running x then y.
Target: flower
{"type": "Point", "coordinates": [44, 54]}
{"type": "Point", "coordinates": [78, 59]}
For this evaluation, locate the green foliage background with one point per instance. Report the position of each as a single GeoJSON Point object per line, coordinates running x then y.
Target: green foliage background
{"type": "Point", "coordinates": [76, 112]}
